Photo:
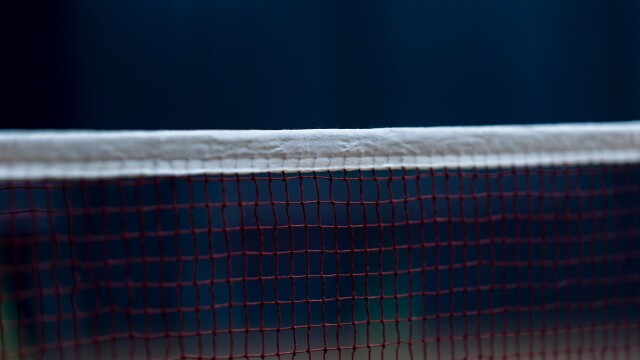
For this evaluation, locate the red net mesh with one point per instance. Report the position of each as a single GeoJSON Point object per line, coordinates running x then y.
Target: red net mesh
{"type": "Point", "coordinates": [447, 264]}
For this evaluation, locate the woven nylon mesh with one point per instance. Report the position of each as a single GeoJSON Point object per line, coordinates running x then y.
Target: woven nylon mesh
{"type": "Point", "coordinates": [524, 263]}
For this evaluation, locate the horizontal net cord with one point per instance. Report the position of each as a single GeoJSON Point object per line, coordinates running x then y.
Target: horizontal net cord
{"type": "Point", "coordinates": [94, 154]}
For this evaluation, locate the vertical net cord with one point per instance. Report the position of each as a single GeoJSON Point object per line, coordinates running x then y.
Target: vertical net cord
{"type": "Point", "coordinates": [476, 214]}
{"type": "Point", "coordinates": [380, 262]}
{"type": "Point", "coordinates": [212, 258]}
{"type": "Point", "coordinates": [405, 192]}
{"type": "Point", "coordinates": [92, 273]}
{"type": "Point", "coordinates": [529, 219]}
{"type": "Point", "coordinates": [322, 265]}
{"type": "Point", "coordinates": [276, 269]}
{"type": "Point", "coordinates": [261, 239]}
{"type": "Point", "coordinates": [637, 305]}
{"type": "Point", "coordinates": [465, 274]}
{"type": "Point", "coordinates": [352, 259]}
{"type": "Point", "coordinates": [243, 241]}
{"type": "Point", "coordinates": [177, 247]}
{"type": "Point", "coordinates": [367, 265]}
{"type": "Point", "coordinates": [227, 242]}
{"type": "Point", "coordinates": [618, 260]}
{"type": "Point", "coordinates": [13, 232]}
{"type": "Point", "coordinates": [394, 240]}
{"type": "Point", "coordinates": [581, 234]}
{"type": "Point", "coordinates": [517, 240]}
{"type": "Point", "coordinates": [595, 264]}
{"type": "Point", "coordinates": [3, 332]}
{"type": "Point", "coordinates": [161, 271]}
{"type": "Point", "coordinates": [529, 274]}
{"type": "Point", "coordinates": [544, 232]}
{"type": "Point", "coordinates": [105, 249]}
{"type": "Point", "coordinates": [54, 276]}
{"type": "Point", "coordinates": [127, 272]}
{"type": "Point", "coordinates": [451, 261]}
{"type": "Point", "coordinates": [626, 314]}
{"type": "Point", "coordinates": [505, 308]}
{"type": "Point", "coordinates": [34, 269]}
{"type": "Point", "coordinates": [145, 270]}
{"type": "Point", "coordinates": [436, 241]}
{"type": "Point", "coordinates": [307, 277]}
{"type": "Point", "coordinates": [423, 263]}
{"type": "Point", "coordinates": [544, 255]}
{"type": "Point", "coordinates": [518, 244]}
{"type": "Point", "coordinates": [291, 266]}
{"type": "Point", "coordinates": [194, 269]}
{"type": "Point", "coordinates": [336, 251]}
{"type": "Point", "coordinates": [492, 265]}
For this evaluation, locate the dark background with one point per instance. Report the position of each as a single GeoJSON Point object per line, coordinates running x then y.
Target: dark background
{"type": "Point", "coordinates": [306, 64]}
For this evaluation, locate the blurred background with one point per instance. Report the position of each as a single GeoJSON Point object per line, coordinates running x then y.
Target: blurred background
{"type": "Point", "coordinates": [306, 64]}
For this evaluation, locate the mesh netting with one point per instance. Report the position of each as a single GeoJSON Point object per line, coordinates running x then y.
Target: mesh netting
{"type": "Point", "coordinates": [524, 262]}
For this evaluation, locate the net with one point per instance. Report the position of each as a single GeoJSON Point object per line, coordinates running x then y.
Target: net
{"type": "Point", "coordinates": [515, 256]}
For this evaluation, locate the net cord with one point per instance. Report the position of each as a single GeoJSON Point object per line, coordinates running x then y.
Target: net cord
{"type": "Point", "coordinates": [41, 155]}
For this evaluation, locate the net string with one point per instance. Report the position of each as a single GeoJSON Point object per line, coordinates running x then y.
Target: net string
{"type": "Point", "coordinates": [453, 263]}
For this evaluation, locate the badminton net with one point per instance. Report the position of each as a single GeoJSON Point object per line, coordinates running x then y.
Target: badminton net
{"type": "Point", "coordinates": [445, 243]}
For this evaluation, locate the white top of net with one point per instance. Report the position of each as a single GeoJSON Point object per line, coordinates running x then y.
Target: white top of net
{"type": "Point", "coordinates": [28, 155]}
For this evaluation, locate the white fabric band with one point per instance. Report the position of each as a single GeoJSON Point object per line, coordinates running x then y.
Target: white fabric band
{"type": "Point", "coordinates": [93, 154]}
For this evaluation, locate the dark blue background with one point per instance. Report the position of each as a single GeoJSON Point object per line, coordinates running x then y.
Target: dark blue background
{"type": "Point", "coordinates": [305, 64]}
